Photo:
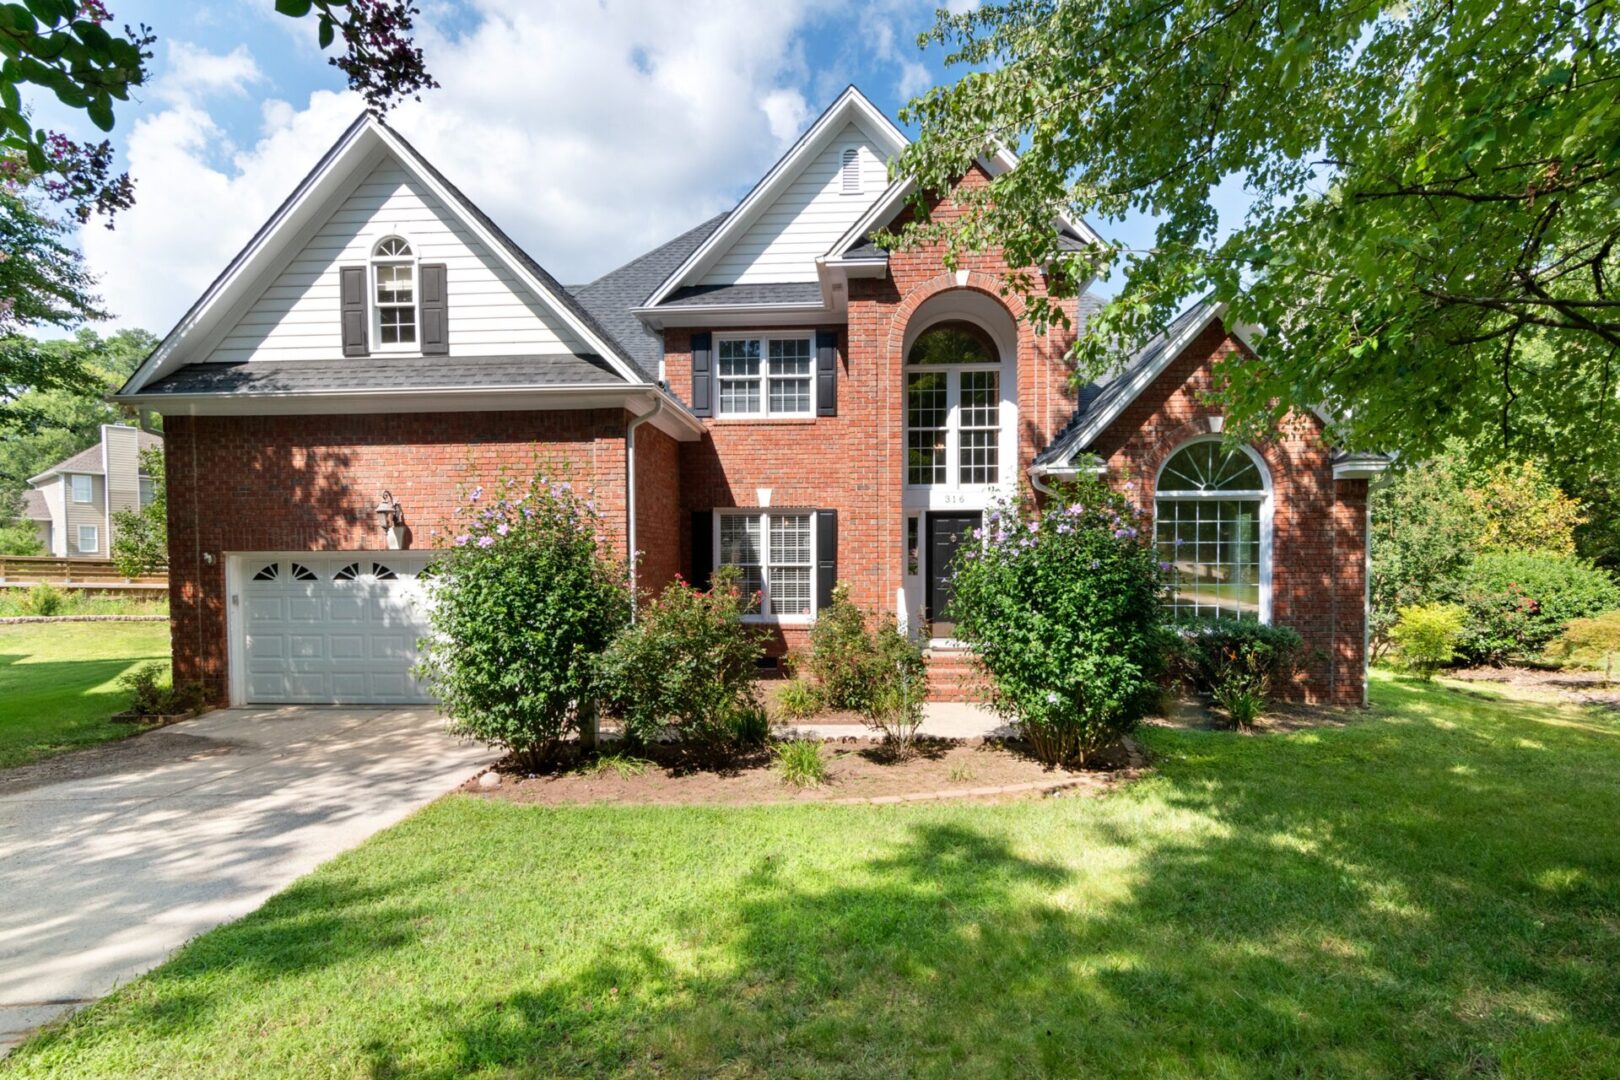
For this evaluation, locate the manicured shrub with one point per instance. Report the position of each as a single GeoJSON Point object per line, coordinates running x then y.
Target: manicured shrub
{"type": "Point", "coordinates": [148, 696]}
{"type": "Point", "coordinates": [799, 762]}
{"type": "Point", "coordinates": [1590, 643]}
{"type": "Point", "coordinates": [1517, 602]}
{"type": "Point", "coordinates": [1064, 610]}
{"type": "Point", "coordinates": [687, 668]}
{"type": "Point", "coordinates": [1426, 636]}
{"type": "Point", "coordinates": [839, 651]}
{"type": "Point", "coordinates": [1425, 530]}
{"type": "Point", "coordinates": [44, 599]}
{"type": "Point", "coordinates": [523, 601]}
{"type": "Point", "coordinates": [1238, 663]}
{"type": "Point", "coordinates": [896, 687]}
{"type": "Point", "coordinates": [798, 700]}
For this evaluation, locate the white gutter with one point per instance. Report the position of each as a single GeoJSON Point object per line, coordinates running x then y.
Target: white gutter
{"type": "Point", "coordinates": [630, 492]}
{"type": "Point", "coordinates": [1038, 474]}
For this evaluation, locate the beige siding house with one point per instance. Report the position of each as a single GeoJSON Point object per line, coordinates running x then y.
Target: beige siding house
{"type": "Point", "coordinates": [72, 502]}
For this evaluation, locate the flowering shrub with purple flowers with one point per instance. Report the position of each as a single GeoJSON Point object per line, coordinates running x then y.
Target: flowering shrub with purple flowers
{"type": "Point", "coordinates": [524, 599]}
{"type": "Point", "coordinates": [1064, 608]}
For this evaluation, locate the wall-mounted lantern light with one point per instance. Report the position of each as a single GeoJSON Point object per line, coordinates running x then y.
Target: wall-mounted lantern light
{"type": "Point", "coordinates": [391, 516]}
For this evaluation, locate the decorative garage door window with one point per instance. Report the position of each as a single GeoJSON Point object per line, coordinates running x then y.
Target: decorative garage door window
{"type": "Point", "coordinates": [354, 571]}
{"type": "Point", "coordinates": [1210, 524]}
{"type": "Point", "coordinates": [296, 571]}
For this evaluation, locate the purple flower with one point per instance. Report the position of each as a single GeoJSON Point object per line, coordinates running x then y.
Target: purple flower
{"type": "Point", "coordinates": [1165, 566]}
{"type": "Point", "coordinates": [1034, 525]}
{"type": "Point", "coordinates": [1120, 534]}
{"type": "Point", "coordinates": [1179, 541]}
{"type": "Point", "coordinates": [486, 541]}
{"type": "Point", "coordinates": [1096, 564]}
{"type": "Point", "coordinates": [477, 493]}
{"type": "Point", "coordinates": [503, 528]}
{"type": "Point", "coordinates": [461, 541]}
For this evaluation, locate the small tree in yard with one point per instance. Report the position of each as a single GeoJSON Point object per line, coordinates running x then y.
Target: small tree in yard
{"type": "Point", "coordinates": [1063, 608]}
{"type": "Point", "coordinates": [523, 601]}
{"type": "Point", "coordinates": [1426, 637]}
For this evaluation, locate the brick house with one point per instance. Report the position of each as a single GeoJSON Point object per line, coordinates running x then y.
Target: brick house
{"type": "Point", "coordinates": [768, 390]}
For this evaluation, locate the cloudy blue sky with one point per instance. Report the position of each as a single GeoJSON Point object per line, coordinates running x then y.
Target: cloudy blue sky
{"type": "Point", "coordinates": [590, 131]}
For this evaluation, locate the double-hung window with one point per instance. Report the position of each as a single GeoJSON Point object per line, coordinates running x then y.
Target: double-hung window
{"type": "Point", "coordinates": [774, 553]}
{"type": "Point", "coordinates": [89, 539]}
{"type": "Point", "coordinates": [766, 376]}
{"type": "Point", "coordinates": [82, 489]}
{"type": "Point", "coordinates": [393, 271]}
{"type": "Point", "coordinates": [148, 491]}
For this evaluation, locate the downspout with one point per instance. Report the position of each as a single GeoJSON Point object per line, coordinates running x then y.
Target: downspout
{"type": "Point", "coordinates": [630, 492]}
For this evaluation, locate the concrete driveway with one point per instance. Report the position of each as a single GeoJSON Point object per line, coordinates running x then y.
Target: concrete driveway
{"type": "Point", "coordinates": [112, 857]}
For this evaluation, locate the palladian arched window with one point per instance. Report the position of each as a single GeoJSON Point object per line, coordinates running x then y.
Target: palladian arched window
{"type": "Point", "coordinates": [953, 407]}
{"type": "Point", "coordinates": [1212, 524]}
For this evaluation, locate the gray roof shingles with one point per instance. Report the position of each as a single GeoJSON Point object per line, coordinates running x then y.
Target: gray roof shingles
{"type": "Point", "coordinates": [385, 373]}
{"type": "Point", "coordinates": [33, 506]}
{"type": "Point", "coordinates": [785, 292]}
{"type": "Point", "coordinates": [89, 460]}
{"type": "Point", "coordinates": [611, 297]}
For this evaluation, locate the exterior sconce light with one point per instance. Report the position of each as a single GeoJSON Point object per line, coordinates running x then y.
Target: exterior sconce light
{"type": "Point", "coordinates": [391, 516]}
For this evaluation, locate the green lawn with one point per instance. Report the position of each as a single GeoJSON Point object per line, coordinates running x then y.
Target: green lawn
{"type": "Point", "coordinates": [58, 683]}
{"type": "Point", "coordinates": [1434, 891]}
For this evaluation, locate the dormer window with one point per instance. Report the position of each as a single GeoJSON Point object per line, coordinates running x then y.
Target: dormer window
{"type": "Point", "coordinates": [393, 275]}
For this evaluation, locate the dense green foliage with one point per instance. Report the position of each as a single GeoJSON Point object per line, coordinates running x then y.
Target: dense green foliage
{"type": "Point", "coordinates": [1591, 643]}
{"type": "Point", "coordinates": [839, 650]}
{"type": "Point", "coordinates": [524, 600]}
{"type": "Point", "coordinates": [687, 666]}
{"type": "Point", "coordinates": [1426, 637]}
{"type": "Point", "coordinates": [1064, 610]}
{"type": "Point", "coordinates": [41, 427]}
{"type": "Point", "coordinates": [1518, 602]}
{"type": "Point", "coordinates": [1240, 664]}
{"type": "Point", "coordinates": [20, 538]}
{"type": "Point", "coordinates": [1426, 891]}
{"type": "Point", "coordinates": [1429, 232]}
{"type": "Point", "coordinates": [897, 686]}
{"type": "Point", "coordinates": [799, 762]}
{"type": "Point", "coordinates": [140, 543]}
{"type": "Point", "coordinates": [798, 700]}
{"type": "Point", "coordinates": [152, 694]}
{"type": "Point", "coordinates": [58, 683]}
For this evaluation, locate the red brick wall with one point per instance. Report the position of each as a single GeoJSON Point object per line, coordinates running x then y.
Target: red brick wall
{"type": "Point", "coordinates": [658, 508]}
{"type": "Point", "coordinates": [853, 462]}
{"type": "Point", "coordinates": [1318, 549]}
{"type": "Point", "coordinates": [311, 483]}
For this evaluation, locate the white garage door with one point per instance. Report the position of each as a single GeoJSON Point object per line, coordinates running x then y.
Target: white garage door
{"type": "Point", "coordinates": [337, 628]}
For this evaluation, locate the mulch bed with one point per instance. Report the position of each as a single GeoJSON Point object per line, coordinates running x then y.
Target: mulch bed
{"type": "Point", "coordinates": [1576, 687]}
{"type": "Point", "coordinates": [859, 770]}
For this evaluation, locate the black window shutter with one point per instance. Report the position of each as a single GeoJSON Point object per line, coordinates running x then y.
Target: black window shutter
{"type": "Point", "coordinates": [826, 556]}
{"type": "Point", "coordinates": [353, 309]}
{"type": "Point", "coordinates": [435, 330]}
{"type": "Point", "coordinates": [702, 548]}
{"type": "Point", "coordinates": [826, 373]}
{"type": "Point", "coordinates": [703, 374]}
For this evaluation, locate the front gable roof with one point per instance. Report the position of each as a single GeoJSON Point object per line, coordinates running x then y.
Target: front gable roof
{"type": "Point", "coordinates": [92, 460]}
{"type": "Point", "coordinates": [366, 142]}
{"type": "Point", "coordinates": [851, 107]}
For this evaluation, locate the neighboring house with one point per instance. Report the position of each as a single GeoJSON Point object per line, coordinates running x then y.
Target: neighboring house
{"type": "Point", "coordinates": [72, 503]}
{"type": "Point", "coordinates": [768, 389]}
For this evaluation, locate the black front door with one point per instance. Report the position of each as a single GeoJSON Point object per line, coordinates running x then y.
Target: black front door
{"type": "Point", "coordinates": [946, 533]}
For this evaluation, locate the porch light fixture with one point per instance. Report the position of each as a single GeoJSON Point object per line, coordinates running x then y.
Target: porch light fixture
{"type": "Point", "coordinates": [391, 516]}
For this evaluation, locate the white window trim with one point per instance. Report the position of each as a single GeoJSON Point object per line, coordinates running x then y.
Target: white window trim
{"type": "Point", "coordinates": [94, 547]}
{"type": "Point", "coordinates": [953, 425]}
{"type": "Point", "coordinates": [849, 171]}
{"type": "Point", "coordinates": [89, 489]}
{"type": "Point", "coordinates": [1266, 508]}
{"type": "Point", "coordinates": [763, 615]}
{"type": "Point", "coordinates": [374, 309]}
{"type": "Point", "coordinates": [764, 377]}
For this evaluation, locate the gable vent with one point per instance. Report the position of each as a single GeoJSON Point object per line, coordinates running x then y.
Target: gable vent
{"type": "Point", "coordinates": [852, 172]}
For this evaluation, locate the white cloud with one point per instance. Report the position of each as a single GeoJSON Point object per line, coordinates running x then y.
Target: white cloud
{"type": "Point", "coordinates": [588, 131]}
{"type": "Point", "coordinates": [195, 72]}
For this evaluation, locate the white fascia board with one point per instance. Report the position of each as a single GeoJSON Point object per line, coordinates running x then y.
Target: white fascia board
{"type": "Point", "coordinates": [608, 350]}
{"type": "Point", "coordinates": [851, 105]}
{"type": "Point", "coordinates": [673, 419]}
{"type": "Point", "coordinates": [1140, 382]}
{"type": "Point", "coordinates": [227, 290]}
{"type": "Point", "coordinates": [657, 318]}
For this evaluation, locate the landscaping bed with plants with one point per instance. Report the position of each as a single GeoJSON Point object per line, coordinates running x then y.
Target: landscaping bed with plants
{"type": "Point", "coordinates": [850, 770]}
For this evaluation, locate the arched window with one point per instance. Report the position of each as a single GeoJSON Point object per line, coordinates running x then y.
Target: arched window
{"type": "Point", "coordinates": [953, 395]}
{"type": "Point", "coordinates": [393, 272]}
{"type": "Point", "coordinates": [1212, 524]}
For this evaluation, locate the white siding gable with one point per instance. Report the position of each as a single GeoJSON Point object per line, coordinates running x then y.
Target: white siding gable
{"type": "Point", "coordinates": [783, 243]}
{"type": "Point", "coordinates": [490, 312]}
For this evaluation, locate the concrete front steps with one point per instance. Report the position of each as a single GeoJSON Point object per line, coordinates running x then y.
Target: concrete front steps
{"type": "Point", "coordinates": [953, 675]}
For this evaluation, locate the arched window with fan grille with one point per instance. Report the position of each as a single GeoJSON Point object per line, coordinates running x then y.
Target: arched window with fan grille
{"type": "Point", "coordinates": [1212, 524]}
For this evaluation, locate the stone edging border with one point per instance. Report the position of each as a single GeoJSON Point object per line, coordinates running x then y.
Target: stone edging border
{"type": "Point", "coordinates": [13, 619]}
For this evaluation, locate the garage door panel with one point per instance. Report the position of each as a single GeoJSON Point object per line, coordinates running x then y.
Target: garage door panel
{"type": "Point", "coordinates": [349, 641]}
